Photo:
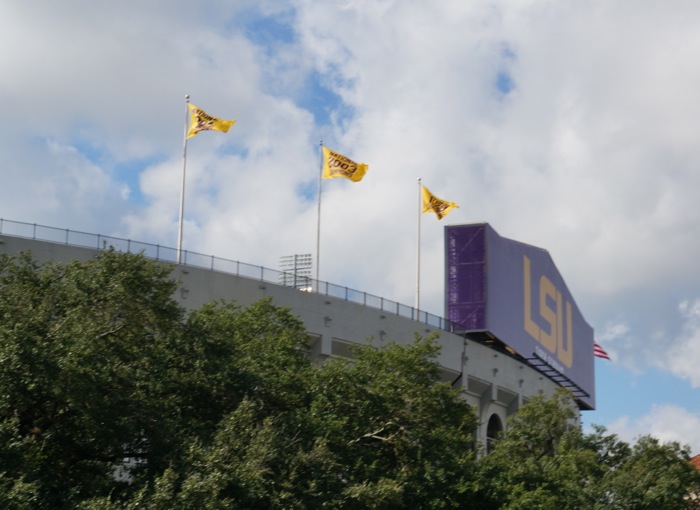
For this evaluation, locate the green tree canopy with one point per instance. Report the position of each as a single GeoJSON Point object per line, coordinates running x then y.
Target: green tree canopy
{"type": "Point", "coordinates": [216, 407]}
{"type": "Point", "coordinates": [221, 407]}
{"type": "Point", "coordinates": [84, 371]}
{"type": "Point", "coordinates": [376, 432]}
{"type": "Point", "coordinates": [544, 461]}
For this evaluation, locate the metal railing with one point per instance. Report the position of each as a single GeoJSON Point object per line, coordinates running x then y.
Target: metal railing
{"type": "Point", "coordinates": [189, 258]}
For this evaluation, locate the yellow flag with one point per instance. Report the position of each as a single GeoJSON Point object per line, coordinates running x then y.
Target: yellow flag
{"type": "Point", "coordinates": [337, 165]}
{"type": "Point", "coordinates": [202, 121]}
{"type": "Point", "coordinates": [437, 205]}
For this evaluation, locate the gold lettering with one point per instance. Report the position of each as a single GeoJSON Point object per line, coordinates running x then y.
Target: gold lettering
{"type": "Point", "coordinates": [547, 290]}
{"type": "Point", "coordinates": [530, 327]}
{"type": "Point", "coordinates": [552, 307]}
{"type": "Point", "coordinates": [566, 354]}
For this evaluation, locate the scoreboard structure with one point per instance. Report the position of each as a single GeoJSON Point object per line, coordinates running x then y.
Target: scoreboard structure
{"type": "Point", "coordinates": [513, 293]}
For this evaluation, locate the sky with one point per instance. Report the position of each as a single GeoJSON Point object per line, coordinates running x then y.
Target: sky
{"type": "Point", "coordinates": [571, 126]}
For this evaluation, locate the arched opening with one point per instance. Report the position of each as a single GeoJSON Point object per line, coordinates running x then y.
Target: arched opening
{"type": "Point", "coordinates": [493, 430]}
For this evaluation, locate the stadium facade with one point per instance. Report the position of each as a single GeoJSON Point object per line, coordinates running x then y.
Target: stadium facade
{"type": "Point", "coordinates": [512, 330]}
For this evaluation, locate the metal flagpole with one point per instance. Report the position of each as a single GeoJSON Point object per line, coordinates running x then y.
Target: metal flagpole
{"type": "Point", "coordinates": [182, 188]}
{"type": "Point", "coordinates": [420, 200]}
{"type": "Point", "coordinates": [318, 225]}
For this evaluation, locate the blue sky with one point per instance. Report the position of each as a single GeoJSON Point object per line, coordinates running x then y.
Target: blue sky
{"type": "Point", "coordinates": [571, 126]}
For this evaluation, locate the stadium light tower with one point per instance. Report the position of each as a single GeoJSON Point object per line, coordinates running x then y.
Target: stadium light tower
{"type": "Point", "coordinates": [296, 271]}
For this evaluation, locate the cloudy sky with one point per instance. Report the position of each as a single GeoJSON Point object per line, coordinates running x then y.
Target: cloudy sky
{"type": "Point", "coordinates": [572, 126]}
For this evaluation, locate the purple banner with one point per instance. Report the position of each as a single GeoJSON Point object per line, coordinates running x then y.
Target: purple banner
{"type": "Point", "coordinates": [515, 292]}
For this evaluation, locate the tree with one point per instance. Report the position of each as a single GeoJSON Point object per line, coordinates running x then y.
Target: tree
{"type": "Point", "coordinates": [99, 364]}
{"type": "Point", "coordinates": [219, 406]}
{"type": "Point", "coordinates": [84, 371]}
{"type": "Point", "coordinates": [653, 475]}
{"type": "Point", "coordinates": [544, 462]}
{"type": "Point", "coordinates": [538, 462]}
{"type": "Point", "coordinates": [222, 408]}
{"type": "Point", "coordinates": [378, 431]}
{"type": "Point", "coordinates": [401, 439]}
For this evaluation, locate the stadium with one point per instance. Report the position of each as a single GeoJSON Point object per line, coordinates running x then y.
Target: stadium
{"type": "Point", "coordinates": [511, 328]}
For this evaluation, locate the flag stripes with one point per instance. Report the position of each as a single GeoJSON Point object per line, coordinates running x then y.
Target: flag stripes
{"type": "Point", "coordinates": [599, 352]}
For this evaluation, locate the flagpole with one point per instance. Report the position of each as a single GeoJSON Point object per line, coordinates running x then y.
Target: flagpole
{"type": "Point", "coordinates": [418, 250]}
{"type": "Point", "coordinates": [318, 224]}
{"type": "Point", "coordinates": [182, 187]}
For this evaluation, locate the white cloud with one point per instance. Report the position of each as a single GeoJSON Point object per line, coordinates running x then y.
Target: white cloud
{"type": "Point", "coordinates": [672, 343]}
{"type": "Point", "coordinates": [666, 422]}
{"type": "Point", "coordinates": [683, 356]}
{"type": "Point", "coordinates": [591, 155]}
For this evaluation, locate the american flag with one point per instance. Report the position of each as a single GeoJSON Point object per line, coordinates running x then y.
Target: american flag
{"type": "Point", "coordinates": [599, 352]}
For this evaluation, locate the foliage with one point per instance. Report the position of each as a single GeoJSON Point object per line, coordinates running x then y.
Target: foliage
{"type": "Point", "coordinates": [400, 437]}
{"type": "Point", "coordinates": [544, 462]}
{"type": "Point", "coordinates": [370, 433]}
{"type": "Point", "coordinates": [85, 382]}
{"type": "Point", "coordinates": [221, 408]}
{"type": "Point", "coordinates": [538, 462]}
{"type": "Point", "coordinates": [99, 364]}
{"type": "Point", "coordinates": [652, 476]}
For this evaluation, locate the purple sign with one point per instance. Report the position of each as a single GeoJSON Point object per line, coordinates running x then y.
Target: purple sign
{"type": "Point", "coordinates": [515, 292]}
